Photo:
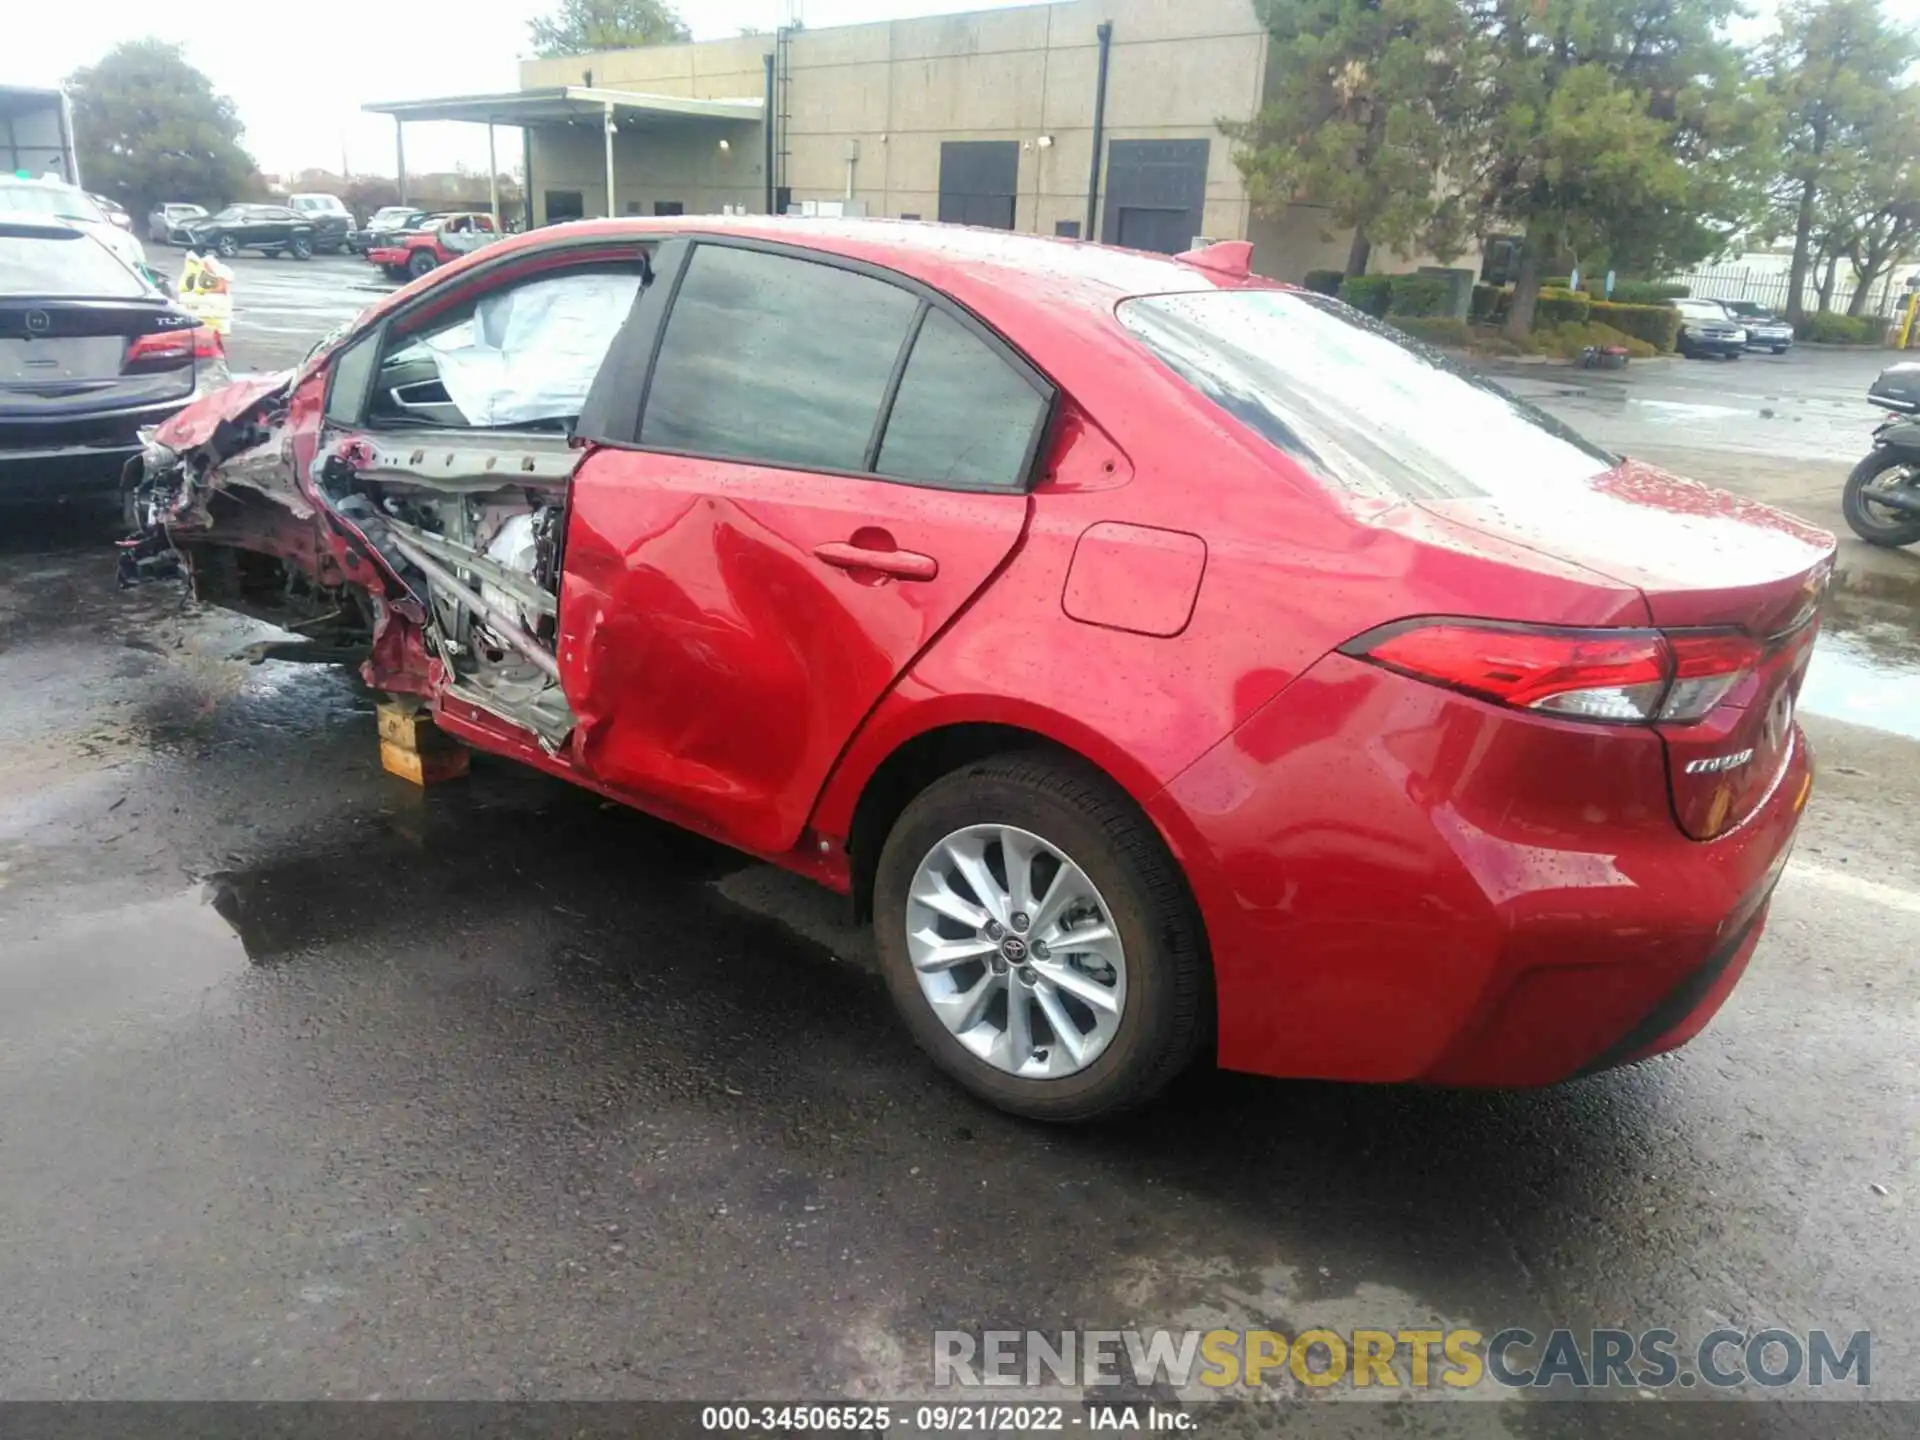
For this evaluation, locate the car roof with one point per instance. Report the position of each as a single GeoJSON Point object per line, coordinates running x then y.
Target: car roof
{"type": "Point", "coordinates": [963, 260]}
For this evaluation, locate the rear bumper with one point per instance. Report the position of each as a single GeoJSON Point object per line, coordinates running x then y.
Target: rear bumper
{"type": "Point", "coordinates": [78, 459]}
{"type": "Point", "coordinates": [1401, 884]}
{"type": "Point", "coordinates": [74, 472]}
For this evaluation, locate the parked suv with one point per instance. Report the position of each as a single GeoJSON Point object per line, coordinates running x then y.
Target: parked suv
{"type": "Point", "coordinates": [331, 220]}
{"type": "Point", "coordinates": [270, 229]}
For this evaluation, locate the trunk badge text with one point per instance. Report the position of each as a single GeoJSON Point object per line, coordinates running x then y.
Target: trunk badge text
{"type": "Point", "coordinates": [1719, 763]}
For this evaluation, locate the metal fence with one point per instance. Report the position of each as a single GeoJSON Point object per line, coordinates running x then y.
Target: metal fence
{"type": "Point", "coordinates": [1768, 287]}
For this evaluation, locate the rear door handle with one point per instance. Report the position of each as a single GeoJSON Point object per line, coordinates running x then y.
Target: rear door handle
{"type": "Point", "coordinates": [900, 564]}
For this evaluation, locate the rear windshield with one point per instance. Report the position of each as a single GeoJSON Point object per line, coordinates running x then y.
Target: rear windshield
{"type": "Point", "coordinates": [70, 264]}
{"type": "Point", "coordinates": [52, 200]}
{"type": "Point", "coordinates": [1356, 402]}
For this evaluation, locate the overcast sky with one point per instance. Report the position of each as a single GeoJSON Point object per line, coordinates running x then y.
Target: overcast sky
{"type": "Point", "coordinates": [300, 74]}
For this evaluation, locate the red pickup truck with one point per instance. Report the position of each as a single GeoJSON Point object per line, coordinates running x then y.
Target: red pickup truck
{"type": "Point", "coordinates": [409, 254]}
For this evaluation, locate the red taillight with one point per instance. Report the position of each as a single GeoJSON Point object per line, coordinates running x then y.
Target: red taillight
{"type": "Point", "coordinates": [163, 348]}
{"type": "Point", "coordinates": [1632, 677]}
{"type": "Point", "coordinates": [1707, 665]}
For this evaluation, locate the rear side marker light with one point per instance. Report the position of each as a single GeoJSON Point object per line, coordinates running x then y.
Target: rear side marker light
{"type": "Point", "coordinates": [1622, 677]}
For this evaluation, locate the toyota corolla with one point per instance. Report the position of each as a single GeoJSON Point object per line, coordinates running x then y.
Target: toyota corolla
{"type": "Point", "coordinates": [1171, 663]}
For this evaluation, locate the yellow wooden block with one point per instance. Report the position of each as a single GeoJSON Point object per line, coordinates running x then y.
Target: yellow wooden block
{"type": "Point", "coordinates": [410, 727]}
{"type": "Point", "coordinates": [446, 760]}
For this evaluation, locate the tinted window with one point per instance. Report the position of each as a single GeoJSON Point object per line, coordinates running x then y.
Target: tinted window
{"type": "Point", "coordinates": [774, 359]}
{"type": "Point", "coordinates": [1357, 403]}
{"type": "Point", "coordinates": [963, 416]}
{"type": "Point", "coordinates": [69, 264]}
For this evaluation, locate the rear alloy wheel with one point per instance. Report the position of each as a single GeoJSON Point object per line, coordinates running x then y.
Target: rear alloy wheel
{"type": "Point", "coordinates": [1039, 941]}
{"type": "Point", "coordinates": [421, 262]}
{"type": "Point", "coordinates": [1879, 524]}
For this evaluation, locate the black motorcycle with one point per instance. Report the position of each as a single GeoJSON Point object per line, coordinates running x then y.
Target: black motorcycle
{"type": "Point", "coordinates": [1882, 498]}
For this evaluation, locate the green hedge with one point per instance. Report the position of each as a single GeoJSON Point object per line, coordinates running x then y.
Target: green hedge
{"type": "Point", "coordinates": [1371, 293]}
{"type": "Point", "coordinates": [1416, 296]}
{"type": "Point", "coordinates": [1658, 325]}
{"type": "Point", "coordinates": [1434, 329]}
{"type": "Point", "coordinates": [1647, 292]}
{"type": "Point", "coordinates": [1841, 329]}
{"type": "Point", "coordinates": [1488, 301]}
{"type": "Point", "coordinates": [1324, 282]}
{"type": "Point", "coordinates": [1558, 307]}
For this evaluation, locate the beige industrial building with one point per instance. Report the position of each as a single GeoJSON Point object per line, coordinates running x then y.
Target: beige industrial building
{"type": "Point", "coordinates": [988, 118]}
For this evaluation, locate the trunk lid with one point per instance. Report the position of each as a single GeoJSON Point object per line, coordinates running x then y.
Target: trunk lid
{"type": "Point", "coordinates": [68, 358]}
{"type": "Point", "coordinates": [1704, 560]}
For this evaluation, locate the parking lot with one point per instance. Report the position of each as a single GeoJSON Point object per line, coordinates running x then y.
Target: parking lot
{"type": "Point", "coordinates": [316, 1085]}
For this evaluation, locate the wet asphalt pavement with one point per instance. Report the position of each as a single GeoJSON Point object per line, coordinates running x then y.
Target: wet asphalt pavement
{"type": "Point", "coordinates": [314, 1085]}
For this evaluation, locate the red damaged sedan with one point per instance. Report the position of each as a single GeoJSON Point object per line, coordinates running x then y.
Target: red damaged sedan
{"type": "Point", "coordinates": [1167, 660]}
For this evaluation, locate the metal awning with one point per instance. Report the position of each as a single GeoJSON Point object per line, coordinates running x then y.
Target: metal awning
{"type": "Point", "coordinates": [560, 104]}
{"type": "Point", "coordinates": [612, 111]}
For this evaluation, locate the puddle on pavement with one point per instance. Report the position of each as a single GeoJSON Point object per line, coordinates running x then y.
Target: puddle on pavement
{"type": "Point", "coordinates": [1866, 667]}
{"type": "Point", "coordinates": [97, 970]}
{"type": "Point", "coordinates": [1679, 411]}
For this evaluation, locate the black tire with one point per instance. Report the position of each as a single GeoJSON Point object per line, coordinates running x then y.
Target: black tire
{"type": "Point", "coordinates": [421, 262]}
{"type": "Point", "coordinates": [300, 248]}
{"type": "Point", "coordinates": [227, 246]}
{"type": "Point", "coordinates": [1168, 1012]}
{"type": "Point", "coordinates": [1873, 524]}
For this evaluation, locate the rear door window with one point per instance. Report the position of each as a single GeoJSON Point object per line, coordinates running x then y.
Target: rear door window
{"type": "Point", "coordinates": [775, 359]}
{"type": "Point", "coordinates": [963, 415]}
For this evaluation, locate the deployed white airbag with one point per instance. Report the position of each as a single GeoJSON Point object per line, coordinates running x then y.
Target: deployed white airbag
{"type": "Point", "coordinates": [531, 352]}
